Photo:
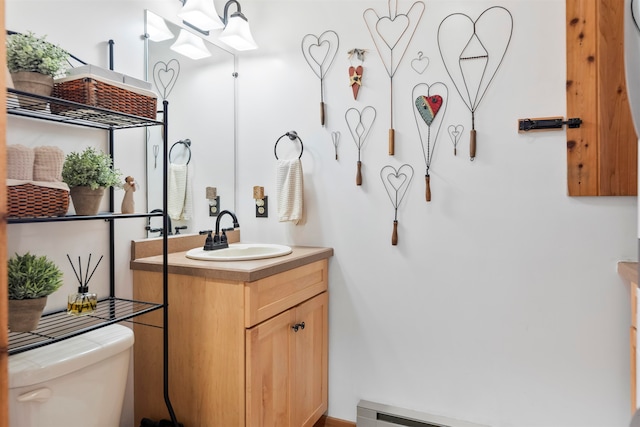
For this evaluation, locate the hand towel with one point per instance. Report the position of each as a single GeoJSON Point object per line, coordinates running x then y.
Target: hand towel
{"type": "Point", "coordinates": [187, 209]}
{"type": "Point", "coordinates": [289, 185]}
{"type": "Point", "coordinates": [20, 162]}
{"type": "Point", "coordinates": [177, 190]}
{"type": "Point", "coordinates": [48, 163]}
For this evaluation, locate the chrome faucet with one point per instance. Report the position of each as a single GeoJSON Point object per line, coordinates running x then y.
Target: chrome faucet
{"type": "Point", "coordinates": [219, 239]}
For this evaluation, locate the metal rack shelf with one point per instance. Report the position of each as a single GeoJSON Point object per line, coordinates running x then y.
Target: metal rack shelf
{"type": "Point", "coordinates": [68, 112]}
{"type": "Point", "coordinates": [107, 216]}
{"type": "Point", "coordinates": [59, 325]}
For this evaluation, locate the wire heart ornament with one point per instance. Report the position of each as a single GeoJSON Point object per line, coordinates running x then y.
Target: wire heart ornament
{"type": "Point", "coordinates": [420, 63]}
{"type": "Point", "coordinates": [472, 52]}
{"type": "Point", "coordinates": [430, 105]}
{"type": "Point", "coordinates": [396, 183]}
{"type": "Point", "coordinates": [360, 124]}
{"type": "Point", "coordinates": [455, 133]}
{"type": "Point", "coordinates": [320, 51]}
{"type": "Point", "coordinates": [165, 76]}
{"type": "Point", "coordinates": [393, 31]}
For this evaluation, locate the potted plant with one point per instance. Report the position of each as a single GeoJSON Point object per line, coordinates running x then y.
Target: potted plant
{"type": "Point", "coordinates": [31, 279]}
{"type": "Point", "coordinates": [88, 174]}
{"type": "Point", "coordinates": [33, 63]}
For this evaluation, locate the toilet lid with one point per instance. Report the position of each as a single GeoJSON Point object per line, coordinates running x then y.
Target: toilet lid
{"type": "Point", "coordinates": [61, 358]}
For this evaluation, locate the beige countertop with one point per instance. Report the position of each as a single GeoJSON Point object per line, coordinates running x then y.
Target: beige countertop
{"type": "Point", "coordinates": [240, 271]}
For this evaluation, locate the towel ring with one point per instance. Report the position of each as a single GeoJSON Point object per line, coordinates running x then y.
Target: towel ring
{"type": "Point", "coordinates": [293, 135]}
{"type": "Point", "coordinates": [187, 144]}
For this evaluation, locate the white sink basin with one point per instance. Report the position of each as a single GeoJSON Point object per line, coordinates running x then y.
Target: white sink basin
{"type": "Point", "coordinates": [240, 252]}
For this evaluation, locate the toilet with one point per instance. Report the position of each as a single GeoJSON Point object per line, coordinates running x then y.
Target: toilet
{"type": "Point", "coordinates": [79, 381]}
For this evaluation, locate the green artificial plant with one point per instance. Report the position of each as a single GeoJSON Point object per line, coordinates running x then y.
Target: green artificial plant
{"type": "Point", "coordinates": [90, 169]}
{"type": "Point", "coordinates": [32, 276]}
{"type": "Point", "coordinates": [27, 52]}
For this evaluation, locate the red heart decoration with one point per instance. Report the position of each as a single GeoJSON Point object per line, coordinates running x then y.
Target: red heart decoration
{"type": "Point", "coordinates": [428, 106]}
{"type": "Point", "coordinates": [355, 77]}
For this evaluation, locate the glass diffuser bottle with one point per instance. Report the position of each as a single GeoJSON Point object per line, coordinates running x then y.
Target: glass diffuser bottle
{"type": "Point", "coordinates": [82, 302]}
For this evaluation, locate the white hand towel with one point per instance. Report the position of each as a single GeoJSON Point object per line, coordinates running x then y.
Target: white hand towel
{"type": "Point", "coordinates": [290, 190]}
{"type": "Point", "coordinates": [177, 190]}
{"type": "Point", "coordinates": [187, 209]}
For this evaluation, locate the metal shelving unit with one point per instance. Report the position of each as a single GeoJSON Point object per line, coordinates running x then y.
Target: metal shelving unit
{"type": "Point", "coordinates": [57, 326]}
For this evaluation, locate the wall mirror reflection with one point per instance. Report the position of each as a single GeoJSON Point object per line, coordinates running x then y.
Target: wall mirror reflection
{"type": "Point", "coordinates": [196, 77]}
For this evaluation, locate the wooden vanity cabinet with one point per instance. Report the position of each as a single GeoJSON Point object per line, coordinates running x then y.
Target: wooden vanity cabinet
{"type": "Point", "coordinates": [239, 354]}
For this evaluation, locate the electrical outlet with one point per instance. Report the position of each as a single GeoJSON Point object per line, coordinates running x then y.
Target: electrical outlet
{"type": "Point", "coordinates": [262, 207]}
{"type": "Point", "coordinates": [214, 206]}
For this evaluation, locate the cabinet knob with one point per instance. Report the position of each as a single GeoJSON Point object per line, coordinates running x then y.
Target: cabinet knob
{"type": "Point", "coordinates": [298, 326]}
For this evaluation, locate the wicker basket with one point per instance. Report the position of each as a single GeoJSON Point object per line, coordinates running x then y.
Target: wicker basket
{"type": "Point", "coordinates": [29, 200]}
{"type": "Point", "coordinates": [96, 93]}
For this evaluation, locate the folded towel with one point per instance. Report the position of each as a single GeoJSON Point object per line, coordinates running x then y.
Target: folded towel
{"type": "Point", "coordinates": [49, 184]}
{"type": "Point", "coordinates": [290, 190]}
{"type": "Point", "coordinates": [177, 190]}
{"type": "Point", "coordinates": [187, 209]}
{"type": "Point", "coordinates": [20, 162]}
{"type": "Point", "coordinates": [48, 163]}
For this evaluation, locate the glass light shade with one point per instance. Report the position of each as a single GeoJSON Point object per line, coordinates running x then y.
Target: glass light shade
{"type": "Point", "coordinates": [157, 29]}
{"type": "Point", "coordinates": [201, 14]}
{"type": "Point", "coordinates": [237, 34]}
{"type": "Point", "coordinates": [190, 46]}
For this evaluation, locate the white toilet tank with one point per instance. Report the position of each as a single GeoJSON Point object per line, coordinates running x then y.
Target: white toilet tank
{"type": "Point", "coordinates": [76, 382]}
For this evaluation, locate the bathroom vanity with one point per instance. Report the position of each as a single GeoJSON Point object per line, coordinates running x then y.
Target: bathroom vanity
{"type": "Point", "coordinates": [247, 339]}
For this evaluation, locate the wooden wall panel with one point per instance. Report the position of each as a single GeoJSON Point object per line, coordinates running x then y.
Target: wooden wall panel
{"type": "Point", "coordinates": [582, 142]}
{"type": "Point", "coordinates": [602, 153]}
{"type": "Point", "coordinates": [618, 147]}
{"type": "Point", "coordinates": [4, 336]}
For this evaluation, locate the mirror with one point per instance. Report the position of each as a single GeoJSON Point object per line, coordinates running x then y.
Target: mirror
{"type": "Point", "coordinates": [201, 132]}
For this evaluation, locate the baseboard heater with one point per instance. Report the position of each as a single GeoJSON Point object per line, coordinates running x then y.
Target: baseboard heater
{"type": "Point", "coordinates": [372, 414]}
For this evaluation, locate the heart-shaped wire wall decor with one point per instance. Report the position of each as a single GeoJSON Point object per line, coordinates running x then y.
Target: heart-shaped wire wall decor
{"type": "Point", "coordinates": [396, 183]}
{"type": "Point", "coordinates": [391, 35]}
{"type": "Point", "coordinates": [455, 133]}
{"type": "Point", "coordinates": [319, 52]}
{"type": "Point", "coordinates": [420, 63]}
{"type": "Point", "coordinates": [165, 76]}
{"type": "Point", "coordinates": [360, 124]}
{"type": "Point", "coordinates": [472, 51]}
{"type": "Point", "coordinates": [430, 106]}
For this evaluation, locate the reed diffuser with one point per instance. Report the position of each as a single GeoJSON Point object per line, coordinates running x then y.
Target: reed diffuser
{"type": "Point", "coordinates": [83, 302]}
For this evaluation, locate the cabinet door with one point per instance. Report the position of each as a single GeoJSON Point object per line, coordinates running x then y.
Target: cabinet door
{"type": "Point", "coordinates": [310, 378]}
{"type": "Point", "coordinates": [268, 371]}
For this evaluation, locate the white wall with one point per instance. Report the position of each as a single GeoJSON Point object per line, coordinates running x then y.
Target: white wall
{"type": "Point", "coordinates": [501, 303]}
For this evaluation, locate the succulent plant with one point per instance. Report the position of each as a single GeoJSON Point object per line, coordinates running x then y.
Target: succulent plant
{"type": "Point", "coordinates": [32, 276]}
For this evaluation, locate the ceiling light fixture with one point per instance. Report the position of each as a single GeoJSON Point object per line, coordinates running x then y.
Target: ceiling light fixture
{"type": "Point", "coordinates": [157, 29]}
{"type": "Point", "coordinates": [237, 33]}
{"type": "Point", "coordinates": [190, 45]}
{"type": "Point", "coordinates": [201, 14]}
{"type": "Point", "coordinates": [202, 17]}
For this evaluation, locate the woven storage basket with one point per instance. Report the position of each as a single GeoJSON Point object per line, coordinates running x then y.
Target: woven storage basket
{"type": "Point", "coordinates": [28, 200]}
{"type": "Point", "coordinates": [96, 93]}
